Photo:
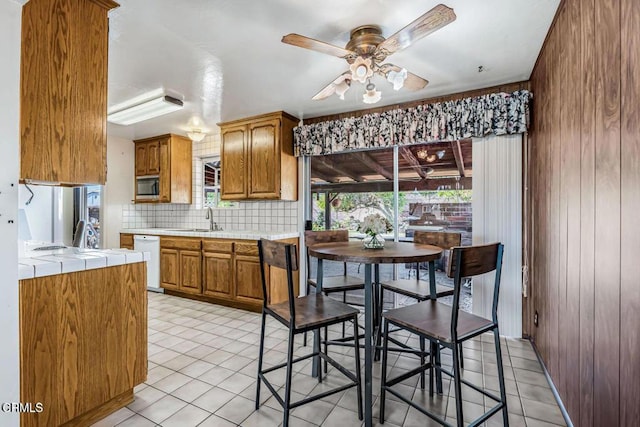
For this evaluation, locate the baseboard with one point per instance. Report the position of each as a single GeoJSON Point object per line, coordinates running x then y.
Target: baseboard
{"type": "Point", "coordinates": [101, 411]}
{"type": "Point", "coordinates": [554, 390]}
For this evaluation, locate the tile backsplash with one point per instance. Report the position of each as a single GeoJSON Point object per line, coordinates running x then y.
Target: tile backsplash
{"type": "Point", "coordinates": [259, 215]}
{"type": "Point", "coordinates": [263, 216]}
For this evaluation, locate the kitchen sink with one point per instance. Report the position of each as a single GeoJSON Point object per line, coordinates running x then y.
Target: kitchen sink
{"type": "Point", "coordinates": [198, 230]}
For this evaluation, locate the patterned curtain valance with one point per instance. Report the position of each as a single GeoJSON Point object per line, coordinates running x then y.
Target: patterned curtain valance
{"type": "Point", "coordinates": [497, 113]}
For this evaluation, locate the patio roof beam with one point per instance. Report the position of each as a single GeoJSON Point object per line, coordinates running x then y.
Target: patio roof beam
{"type": "Point", "coordinates": [408, 156]}
{"type": "Point", "coordinates": [457, 154]}
{"type": "Point", "coordinates": [431, 184]}
{"type": "Point", "coordinates": [368, 161]}
{"type": "Point", "coordinates": [315, 173]}
{"type": "Point", "coordinates": [338, 170]}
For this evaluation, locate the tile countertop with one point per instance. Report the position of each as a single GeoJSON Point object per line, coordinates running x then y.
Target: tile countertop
{"type": "Point", "coordinates": [231, 234]}
{"type": "Point", "coordinates": [60, 261]}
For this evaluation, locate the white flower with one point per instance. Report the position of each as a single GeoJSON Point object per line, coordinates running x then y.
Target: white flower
{"type": "Point", "coordinates": [375, 224]}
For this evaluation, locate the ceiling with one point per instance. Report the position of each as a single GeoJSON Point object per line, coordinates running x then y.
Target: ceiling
{"type": "Point", "coordinates": [224, 58]}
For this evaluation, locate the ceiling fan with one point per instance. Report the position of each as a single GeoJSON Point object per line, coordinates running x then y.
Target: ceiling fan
{"type": "Point", "coordinates": [367, 49]}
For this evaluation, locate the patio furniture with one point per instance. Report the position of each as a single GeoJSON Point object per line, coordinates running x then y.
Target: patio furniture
{"type": "Point", "coordinates": [300, 315]}
{"type": "Point", "coordinates": [448, 326]}
{"type": "Point", "coordinates": [393, 253]}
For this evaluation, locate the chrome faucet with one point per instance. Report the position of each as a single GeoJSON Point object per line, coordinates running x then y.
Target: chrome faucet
{"type": "Point", "coordinates": [213, 226]}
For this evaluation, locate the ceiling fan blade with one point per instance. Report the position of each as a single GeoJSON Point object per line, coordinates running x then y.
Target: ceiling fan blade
{"type": "Point", "coordinates": [431, 21]}
{"type": "Point", "coordinates": [330, 89]}
{"type": "Point", "coordinates": [412, 82]}
{"type": "Point", "coordinates": [317, 45]}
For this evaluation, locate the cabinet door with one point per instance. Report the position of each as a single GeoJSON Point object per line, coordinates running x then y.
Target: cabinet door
{"type": "Point", "coordinates": [190, 272]}
{"type": "Point", "coordinates": [248, 280]}
{"type": "Point", "coordinates": [165, 171]}
{"type": "Point", "coordinates": [169, 269]}
{"type": "Point", "coordinates": [153, 157]}
{"type": "Point", "coordinates": [217, 275]}
{"type": "Point", "coordinates": [264, 160]}
{"type": "Point", "coordinates": [233, 159]}
{"type": "Point", "coordinates": [141, 159]}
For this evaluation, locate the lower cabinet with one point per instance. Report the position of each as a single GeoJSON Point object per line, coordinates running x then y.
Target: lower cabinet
{"type": "Point", "coordinates": [181, 264]}
{"type": "Point", "coordinates": [223, 271]}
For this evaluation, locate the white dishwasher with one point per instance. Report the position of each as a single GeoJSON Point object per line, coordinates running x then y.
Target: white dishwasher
{"type": "Point", "coordinates": [150, 244]}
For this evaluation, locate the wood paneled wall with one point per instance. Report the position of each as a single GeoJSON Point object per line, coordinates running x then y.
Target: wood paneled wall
{"type": "Point", "coordinates": [585, 201]}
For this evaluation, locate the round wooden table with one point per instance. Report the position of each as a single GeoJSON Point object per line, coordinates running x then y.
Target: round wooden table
{"type": "Point", "coordinates": [393, 253]}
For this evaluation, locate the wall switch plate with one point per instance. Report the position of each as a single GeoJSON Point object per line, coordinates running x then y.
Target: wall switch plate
{"type": "Point", "coordinates": [535, 318]}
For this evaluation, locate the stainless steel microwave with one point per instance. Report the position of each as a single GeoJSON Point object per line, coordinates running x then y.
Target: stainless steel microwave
{"type": "Point", "coordinates": [148, 187]}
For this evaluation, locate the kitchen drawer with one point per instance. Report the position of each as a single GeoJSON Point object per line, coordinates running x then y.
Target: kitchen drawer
{"type": "Point", "coordinates": [210, 245]}
{"type": "Point", "coordinates": [247, 248]}
{"type": "Point", "coordinates": [180, 243]}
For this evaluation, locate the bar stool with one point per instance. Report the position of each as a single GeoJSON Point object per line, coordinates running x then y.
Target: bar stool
{"type": "Point", "coordinates": [420, 289]}
{"type": "Point", "coordinates": [448, 327]}
{"type": "Point", "coordinates": [300, 315]}
{"type": "Point", "coordinates": [331, 284]}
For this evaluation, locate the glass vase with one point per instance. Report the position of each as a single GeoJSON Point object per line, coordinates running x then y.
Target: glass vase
{"type": "Point", "coordinates": [374, 241]}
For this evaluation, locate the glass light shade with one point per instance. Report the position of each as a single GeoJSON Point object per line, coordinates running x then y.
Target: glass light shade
{"type": "Point", "coordinates": [196, 135]}
{"type": "Point", "coordinates": [341, 88]}
{"type": "Point", "coordinates": [371, 96]}
{"type": "Point", "coordinates": [397, 78]}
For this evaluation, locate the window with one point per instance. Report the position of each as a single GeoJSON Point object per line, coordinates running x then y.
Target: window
{"type": "Point", "coordinates": [211, 179]}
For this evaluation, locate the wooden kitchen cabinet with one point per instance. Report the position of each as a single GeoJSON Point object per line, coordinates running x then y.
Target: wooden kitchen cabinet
{"type": "Point", "coordinates": [83, 343]}
{"type": "Point", "coordinates": [126, 240]}
{"type": "Point", "coordinates": [181, 264]}
{"type": "Point", "coordinates": [257, 158]}
{"type": "Point", "coordinates": [229, 272]}
{"type": "Point", "coordinates": [170, 158]}
{"type": "Point", "coordinates": [217, 268]}
{"type": "Point", "coordinates": [148, 157]}
{"type": "Point", "coordinates": [63, 91]}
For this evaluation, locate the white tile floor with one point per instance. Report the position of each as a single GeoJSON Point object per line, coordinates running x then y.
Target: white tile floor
{"type": "Point", "coordinates": [203, 361]}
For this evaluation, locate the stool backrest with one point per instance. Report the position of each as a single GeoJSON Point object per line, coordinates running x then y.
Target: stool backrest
{"type": "Point", "coordinates": [324, 236]}
{"type": "Point", "coordinates": [469, 261]}
{"type": "Point", "coordinates": [441, 239]}
{"type": "Point", "coordinates": [279, 255]}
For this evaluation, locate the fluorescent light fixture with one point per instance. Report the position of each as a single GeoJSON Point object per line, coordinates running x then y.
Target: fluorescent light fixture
{"type": "Point", "coordinates": [145, 110]}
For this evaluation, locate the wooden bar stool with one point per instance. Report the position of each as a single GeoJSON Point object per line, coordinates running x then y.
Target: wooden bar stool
{"type": "Point", "coordinates": [448, 327]}
{"type": "Point", "coordinates": [420, 289]}
{"type": "Point", "coordinates": [300, 315]}
{"type": "Point", "coordinates": [331, 284]}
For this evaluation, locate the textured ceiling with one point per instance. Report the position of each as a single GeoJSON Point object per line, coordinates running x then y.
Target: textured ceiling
{"type": "Point", "coordinates": [224, 58]}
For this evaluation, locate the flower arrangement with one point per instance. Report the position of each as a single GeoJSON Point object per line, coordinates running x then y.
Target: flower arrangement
{"type": "Point", "coordinates": [375, 224]}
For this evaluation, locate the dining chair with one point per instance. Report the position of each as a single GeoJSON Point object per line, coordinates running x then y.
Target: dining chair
{"type": "Point", "coordinates": [331, 284]}
{"type": "Point", "coordinates": [299, 315]}
{"type": "Point", "coordinates": [448, 326]}
{"type": "Point", "coordinates": [420, 289]}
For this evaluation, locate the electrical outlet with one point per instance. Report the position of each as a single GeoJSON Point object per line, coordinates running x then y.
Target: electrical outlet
{"type": "Point", "coordinates": [535, 318]}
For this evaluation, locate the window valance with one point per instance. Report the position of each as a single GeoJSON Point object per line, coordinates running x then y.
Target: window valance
{"type": "Point", "coordinates": [497, 113]}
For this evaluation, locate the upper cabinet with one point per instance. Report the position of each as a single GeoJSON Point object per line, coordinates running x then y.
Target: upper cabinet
{"type": "Point", "coordinates": [257, 158]}
{"type": "Point", "coordinates": [169, 157]}
{"type": "Point", "coordinates": [63, 91]}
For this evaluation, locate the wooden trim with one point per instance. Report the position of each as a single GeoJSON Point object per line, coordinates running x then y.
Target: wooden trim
{"type": "Point", "coordinates": [243, 305]}
{"type": "Point", "coordinates": [107, 4]}
{"type": "Point", "coordinates": [246, 120]}
{"type": "Point", "coordinates": [457, 154]}
{"type": "Point", "coordinates": [102, 411]}
{"type": "Point", "coordinates": [507, 87]}
{"type": "Point", "coordinates": [546, 39]}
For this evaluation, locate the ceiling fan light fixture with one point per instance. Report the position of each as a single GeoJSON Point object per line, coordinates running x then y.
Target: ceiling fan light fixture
{"type": "Point", "coordinates": [422, 153]}
{"type": "Point", "coordinates": [371, 96]}
{"type": "Point", "coordinates": [440, 154]}
{"type": "Point", "coordinates": [397, 78]}
{"type": "Point", "coordinates": [361, 69]}
{"type": "Point", "coordinates": [342, 87]}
